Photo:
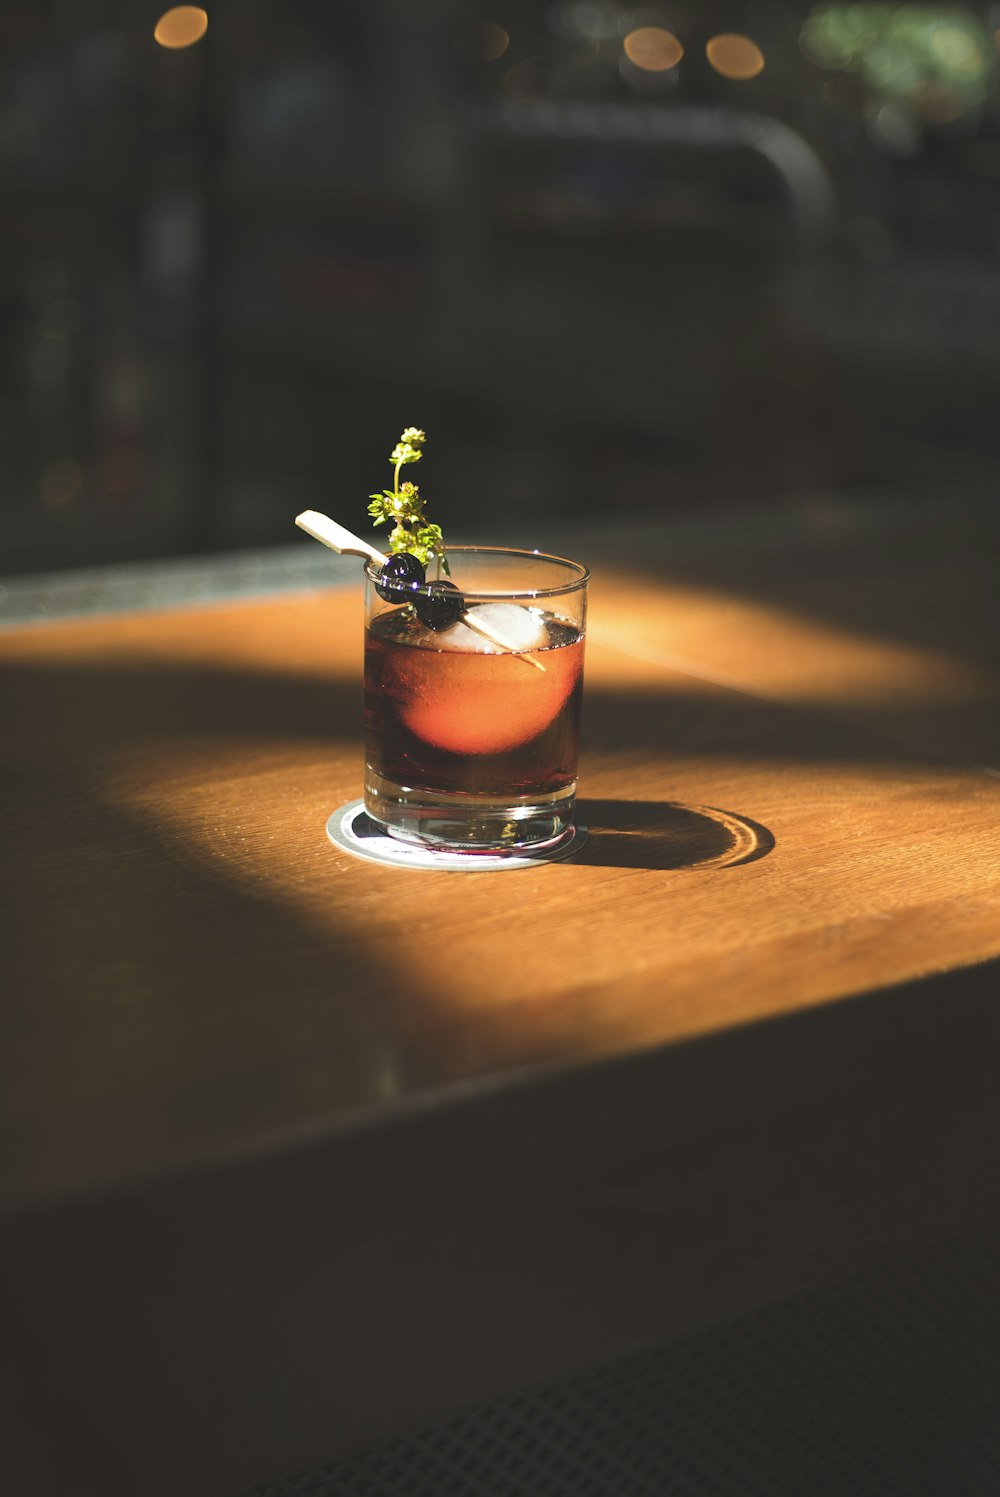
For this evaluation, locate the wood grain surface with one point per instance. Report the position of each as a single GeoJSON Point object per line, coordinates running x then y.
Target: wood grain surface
{"type": "Point", "coordinates": [266, 1105]}
{"type": "Point", "coordinates": [784, 808]}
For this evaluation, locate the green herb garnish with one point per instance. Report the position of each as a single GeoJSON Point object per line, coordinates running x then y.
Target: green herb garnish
{"type": "Point", "coordinates": [403, 507]}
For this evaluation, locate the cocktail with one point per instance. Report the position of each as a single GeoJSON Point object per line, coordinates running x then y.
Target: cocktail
{"type": "Point", "coordinates": [473, 684]}
{"type": "Point", "coordinates": [472, 737]}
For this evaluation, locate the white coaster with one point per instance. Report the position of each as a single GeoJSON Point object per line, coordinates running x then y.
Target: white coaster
{"type": "Point", "coordinates": [351, 829]}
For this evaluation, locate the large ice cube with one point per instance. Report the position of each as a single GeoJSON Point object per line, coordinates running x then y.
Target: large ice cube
{"type": "Point", "coordinates": [518, 627]}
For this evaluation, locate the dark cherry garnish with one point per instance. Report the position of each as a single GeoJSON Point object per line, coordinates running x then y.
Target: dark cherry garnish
{"type": "Point", "coordinates": [399, 576]}
{"type": "Point", "coordinates": [440, 607]}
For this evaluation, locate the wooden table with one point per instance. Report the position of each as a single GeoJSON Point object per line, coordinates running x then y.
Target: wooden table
{"type": "Point", "coordinates": [300, 1150]}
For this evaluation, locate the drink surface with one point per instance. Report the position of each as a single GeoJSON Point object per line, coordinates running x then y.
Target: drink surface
{"type": "Point", "coordinates": [475, 720]}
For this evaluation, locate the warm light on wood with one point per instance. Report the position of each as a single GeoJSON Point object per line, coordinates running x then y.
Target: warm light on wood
{"type": "Point", "coordinates": [189, 760]}
{"type": "Point", "coordinates": [181, 27]}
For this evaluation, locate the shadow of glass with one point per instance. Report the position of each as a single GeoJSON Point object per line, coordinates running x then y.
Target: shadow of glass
{"type": "Point", "coordinates": [665, 835]}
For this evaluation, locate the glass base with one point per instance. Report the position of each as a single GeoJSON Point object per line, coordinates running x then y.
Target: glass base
{"type": "Point", "coordinates": [351, 829]}
{"type": "Point", "coordinates": [468, 823]}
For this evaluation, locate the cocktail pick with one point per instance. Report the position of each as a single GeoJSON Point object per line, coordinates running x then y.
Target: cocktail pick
{"type": "Point", "coordinates": [322, 528]}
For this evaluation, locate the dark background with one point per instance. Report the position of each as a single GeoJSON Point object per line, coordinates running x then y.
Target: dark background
{"type": "Point", "coordinates": [230, 274]}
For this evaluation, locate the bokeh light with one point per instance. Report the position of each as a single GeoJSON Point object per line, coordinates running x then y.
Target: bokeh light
{"type": "Point", "coordinates": [493, 41]}
{"type": "Point", "coordinates": [122, 470]}
{"type": "Point", "coordinates": [477, 42]}
{"type": "Point", "coordinates": [936, 105]}
{"type": "Point", "coordinates": [585, 20]}
{"type": "Point", "coordinates": [735, 56]}
{"type": "Point", "coordinates": [181, 27]}
{"type": "Point", "coordinates": [937, 63]}
{"type": "Point", "coordinates": [653, 49]}
{"type": "Point", "coordinates": [894, 130]}
{"type": "Point", "coordinates": [958, 49]}
{"type": "Point", "coordinates": [525, 80]}
{"type": "Point", "coordinates": [60, 483]}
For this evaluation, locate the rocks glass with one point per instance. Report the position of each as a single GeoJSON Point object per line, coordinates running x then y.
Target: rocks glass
{"type": "Point", "coordinates": [472, 721]}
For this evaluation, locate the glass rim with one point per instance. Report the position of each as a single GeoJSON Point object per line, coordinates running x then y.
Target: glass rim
{"type": "Point", "coordinates": [580, 579]}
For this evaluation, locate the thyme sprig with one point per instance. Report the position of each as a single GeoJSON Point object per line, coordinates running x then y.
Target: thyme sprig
{"type": "Point", "coordinates": [403, 507]}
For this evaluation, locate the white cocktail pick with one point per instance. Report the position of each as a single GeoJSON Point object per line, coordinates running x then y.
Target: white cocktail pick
{"type": "Point", "coordinates": [322, 528]}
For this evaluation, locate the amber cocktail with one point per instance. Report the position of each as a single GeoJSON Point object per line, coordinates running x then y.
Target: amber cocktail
{"type": "Point", "coordinates": [472, 726]}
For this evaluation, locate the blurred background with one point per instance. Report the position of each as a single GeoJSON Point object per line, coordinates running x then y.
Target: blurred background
{"type": "Point", "coordinates": [617, 261]}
